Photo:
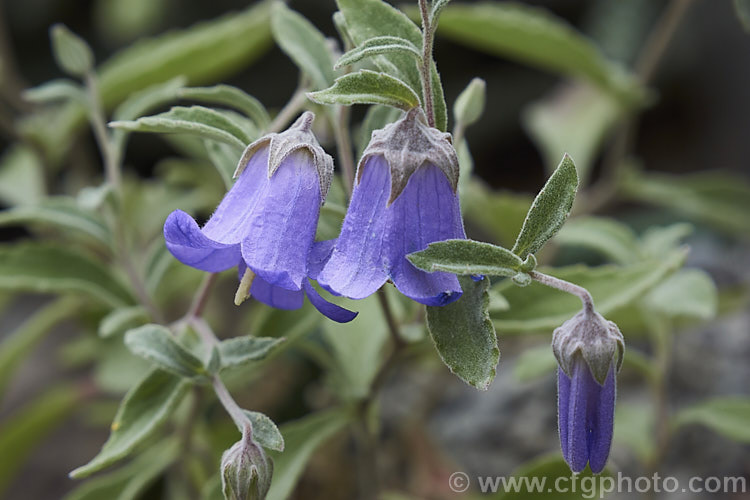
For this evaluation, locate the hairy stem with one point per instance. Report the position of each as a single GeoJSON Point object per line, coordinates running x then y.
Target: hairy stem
{"type": "Point", "coordinates": [567, 287]}
{"type": "Point", "coordinates": [428, 35]}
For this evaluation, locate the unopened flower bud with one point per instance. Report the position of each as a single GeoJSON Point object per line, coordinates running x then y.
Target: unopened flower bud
{"type": "Point", "coordinates": [406, 145]}
{"type": "Point", "coordinates": [246, 471]}
{"type": "Point", "coordinates": [589, 335]}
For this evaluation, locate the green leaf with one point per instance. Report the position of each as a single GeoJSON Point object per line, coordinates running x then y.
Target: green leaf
{"type": "Point", "coordinates": [56, 90]}
{"type": "Point", "coordinates": [464, 336]}
{"type": "Point", "coordinates": [727, 416]}
{"type": "Point", "coordinates": [612, 239]}
{"type": "Point", "coordinates": [143, 410]}
{"type": "Point", "coordinates": [379, 45]}
{"type": "Point", "coordinates": [195, 120]}
{"type": "Point", "coordinates": [721, 200]}
{"type": "Point", "coordinates": [534, 363]}
{"type": "Point", "coordinates": [368, 87]}
{"type": "Point", "coordinates": [366, 19]}
{"type": "Point", "coordinates": [467, 257]}
{"type": "Point", "coordinates": [303, 43]}
{"type": "Point", "coordinates": [634, 428]}
{"type": "Point", "coordinates": [302, 438]}
{"type": "Point", "coordinates": [547, 469]}
{"type": "Point", "coordinates": [131, 481]}
{"type": "Point", "coordinates": [228, 95]}
{"type": "Point", "coordinates": [241, 350]}
{"type": "Point", "coordinates": [469, 104]}
{"type": "Point", "coordinates": [533, 36]}
{"type": "Point", "coordinates": [63, 213]}
{"type": "Point", "coordinates": [156, 344]}
{"type": "Point", "coordinates": [48, 268]}
{"type": "Point", "coordinates": [120, 320]}
{"type": "Point", "coordinates": [742, 9]}
{"type": "Point", "coordinates": [576, 118]}
{"type": "Point", "coordinates": [437, 8]}
{"type": "Point", "coordinates": [538, 308]}
{"type": "Point", "coordinates": [15, 348]}
{"type": "Point", "coordinates": [265, 431]}
{"type": "Point", "coordinates": [21, 176]}
{"type": "Point", "coordinates": [689, 293]}
{"type": "Point", "coordinates": [72, 53]}
{"type": "Point", "coordinates": [549, 210]}
{"type": "Point", "coordinates": [25, 429]}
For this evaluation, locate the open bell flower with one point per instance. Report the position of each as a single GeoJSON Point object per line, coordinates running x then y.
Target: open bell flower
{"type": "Point", "coordinates": [589, 351]}
{"type": "Point", "coordinates": [404, 199]}
{"type": "Point", "coordinates": [266, 223]}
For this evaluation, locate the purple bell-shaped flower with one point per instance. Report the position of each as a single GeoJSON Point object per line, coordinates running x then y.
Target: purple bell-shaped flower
{"type": "Point", "coordinates": [404, 199]}
{"type": "Point", "coordinates": [589, 350]}
{"type": "Point", "coordinates": [266, 222]}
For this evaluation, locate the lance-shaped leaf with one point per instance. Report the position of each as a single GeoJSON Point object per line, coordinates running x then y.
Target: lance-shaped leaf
{"type": "Point", "coordinates": [368, 87]}
{"type": "Point", "coordinates": [611, 238]}
{"type": "Point", "coordinates": [464, 335]}
{"type": "Point", "coordinates": [143, 410]}
{"type": "Point", "coordinates": [379, 45]}
{"type": "Point", "coordinates": [303, 43]}
{"type": "Point", "coordinates": [265, 431]}
{"type": "Point", "coordinates": [195, 120]}
{"type": "Point", "coordinates": [467, 257]}
{"type": "Point", "coordinates": [55, 269]}
{"type": "Point", "coordinates": [121, 320]}
{"type": "Point", "coordinates": [155, 343]}
{"type": "Point", "coordinates": [550, 209]}
{"type": "Point", "coordinates": [366, 19]}
{"type": "Point", "coordinates": [72, 53]}
{"type": "Point", "coordinates": [227, 95]}
{"type": "Point", "coordinates": [56, 90]}
{"type": "Point", "coordinates": [241, 350]}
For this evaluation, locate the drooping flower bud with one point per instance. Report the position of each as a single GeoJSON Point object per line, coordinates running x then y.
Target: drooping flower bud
{"type": "Point", "coordinates": [404, 198]}
{"type": "Point", "coordinates": [589, 350]}
{"type": "Point", "coordinates": [246, 471]}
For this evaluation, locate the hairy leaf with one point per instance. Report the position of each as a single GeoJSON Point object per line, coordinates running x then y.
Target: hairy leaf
{"type": "Point", "coordinates": [240, 350]}
{"type": "Point", "coordinates": [228, 95]}
{"type": "Point", "coordinates": [368, 87]}
{"type": "Point", "coordinates": [265, 431]}
{"type": "Point", "coordinates": [156, 344]}
{"type": "Point", "coordinates": [379, 45]}
{"type": "Point", "coordinates": [464, 335]}
{"type": "Point", "coordinates": [143, 410]}
{"type": "Point", "coordinates": [549, 210]}
{"type": "Point", "coordinates": [467, 257]}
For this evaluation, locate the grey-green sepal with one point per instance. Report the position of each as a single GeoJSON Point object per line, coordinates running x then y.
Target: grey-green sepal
{"type": "Point", "coordinates": [589, 335]}
{"type": "Point", "coordinates": [409, 143]}
{"type": "Point", "coordinates": [246, 470]}
{"type": "Point", "coordinates": [297, 137]}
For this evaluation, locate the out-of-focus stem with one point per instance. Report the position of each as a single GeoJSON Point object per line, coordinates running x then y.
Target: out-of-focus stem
{"type": "Point", "coordinates": [289, 111]}
{"type": "Point", "coordinates": [344, 147]}
{"type": "Point", "coordinates": [99, 126]}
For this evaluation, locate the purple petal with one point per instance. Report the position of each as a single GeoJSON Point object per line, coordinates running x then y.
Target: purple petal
{"type": "Point", "coordinates": [229, 223]}
{"type": "Point", "coordinates": [563, 405]}
{"type": "Point", "coordinates": [281, 228]}
{"type": "Point", "coordinates": [581, 390]}
{"type": "Point", "coordinates": [426, 211]}
{"type": "Point", "coordinates": [356, 268]}
{"type": "Point", "coordinates": [192, 247]}
{"type": "Point", "coordinates": [601, 423]}
{"type": "Point", "coordinates": [319, 255]}
{"type": "Point", "coordinates": [328, 309]}
{"type": "Point", "coordinates": [273, 296]}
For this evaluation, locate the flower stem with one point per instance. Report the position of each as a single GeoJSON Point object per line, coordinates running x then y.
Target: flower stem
{"type": "Point", "coordinates": [567, 287]}
{"type": "Point", "coordinates": [289, 111]}
{"type": "Point", "coordinates": [428, 35]}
